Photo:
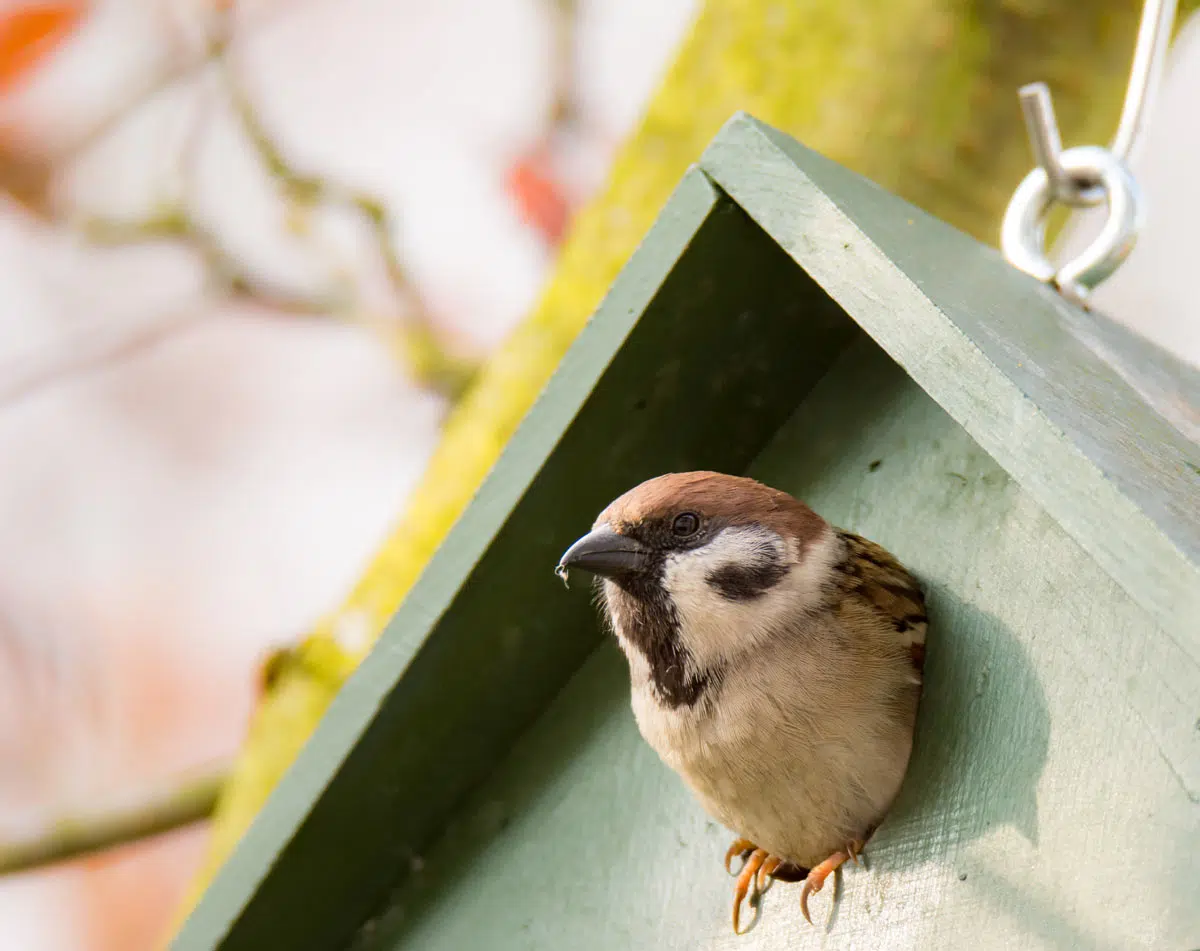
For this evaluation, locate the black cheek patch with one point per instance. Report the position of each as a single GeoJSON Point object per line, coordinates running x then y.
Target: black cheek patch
{"type": "Point", "coordinates": [746, 582]}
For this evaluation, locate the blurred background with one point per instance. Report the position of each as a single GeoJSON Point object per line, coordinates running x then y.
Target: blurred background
{"type": "Point", "coordinates": [249, 255]}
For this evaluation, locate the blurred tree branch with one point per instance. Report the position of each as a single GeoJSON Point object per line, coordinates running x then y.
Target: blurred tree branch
{"type": "Point", "coordinates": [219, 33]}
{"type": "Point", "coordinates": [174, 224]}
{"type": "Point", "coordinates": [416, 338]}
{"type": "Point", "coordinates": [189, 801]}
{"type": "Point", "coordinates": [412, 336]}
{"type": "Point", "coordinates": [409, 331]}
{"type": "Point", "coordinates": [75, 835]}
{"type": "Point", "coordinates": [28, 178]}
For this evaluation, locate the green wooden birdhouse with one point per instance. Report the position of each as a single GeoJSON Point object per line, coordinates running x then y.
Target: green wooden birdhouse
{"type": "Point", "coordinates": [480, 781]}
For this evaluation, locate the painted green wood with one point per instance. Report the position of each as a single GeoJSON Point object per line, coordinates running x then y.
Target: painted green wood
{"type": "Point", "coordinates": [694, 360]}
{"type": "Point", "coordinates": [1041, 810]}
{"type": "Point", "coordinates": [1015, 364]}
{"type": "Point", "coordinates": [1060, 756]}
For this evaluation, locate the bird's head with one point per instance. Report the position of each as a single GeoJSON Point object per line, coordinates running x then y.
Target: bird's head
{"type": "Point", "coordinates": [698, 567]}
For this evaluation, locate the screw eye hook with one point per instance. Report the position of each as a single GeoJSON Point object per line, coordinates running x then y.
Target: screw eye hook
{"type": "Point", "coordinates": [1088, 175]}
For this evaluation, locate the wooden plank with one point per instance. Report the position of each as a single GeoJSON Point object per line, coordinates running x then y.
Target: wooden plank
{"type": "Point", "coordinates": [1042, 811]}
{"type": "Point", "coordinates": [704, 346]}
{"type": "Point", "coordinates": [1013, 363]}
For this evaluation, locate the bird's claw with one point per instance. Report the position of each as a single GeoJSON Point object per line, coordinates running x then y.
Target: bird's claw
{"type": "Point", "coordinates": [746, 878]}
{"type": "Point", "coordinates": [741, 848]}
{"type": "Point", "coordinates": [816, 877]}
{"type": "Point", "coordinates": [766, 874]}
{"type": "Point", "coordinates": [812, 885]}
{"type": "Point", "coordinates": [757, 874]}
{"type": "Point", "coordinates": [760, 869]}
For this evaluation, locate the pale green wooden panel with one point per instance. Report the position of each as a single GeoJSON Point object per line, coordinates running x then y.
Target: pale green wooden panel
{"type": "Point", "coordinates": [1045, 807]}
{"type": "Point", "coordinates": [1101, 430]}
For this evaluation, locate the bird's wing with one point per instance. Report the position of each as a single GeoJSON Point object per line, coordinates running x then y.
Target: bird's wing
{"type": "Point", "coordinates": [874, 579]}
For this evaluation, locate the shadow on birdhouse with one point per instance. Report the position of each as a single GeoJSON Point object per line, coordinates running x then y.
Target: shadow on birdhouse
{"type": "Point", "coordinates": [479, 782]}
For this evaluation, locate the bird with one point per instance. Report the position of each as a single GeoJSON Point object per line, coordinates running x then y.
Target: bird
{"type": "Point", "coordinates": [775, 662]}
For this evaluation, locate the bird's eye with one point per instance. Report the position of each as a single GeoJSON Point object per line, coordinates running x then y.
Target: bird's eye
{"type": "Point", "coordinates": [685, 524]}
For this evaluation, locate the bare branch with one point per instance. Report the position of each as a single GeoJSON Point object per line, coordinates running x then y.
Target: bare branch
{"type": "Point", "coordinates": [226, 274]}
{"type": "Point", "coordinates": [220, 35]}
{"type": "Point", "coordinates": [418, 341]}
{"type": "Point", "coordinates": [76, 835]}
{"type": "Point", "coordinates": [412, 335]}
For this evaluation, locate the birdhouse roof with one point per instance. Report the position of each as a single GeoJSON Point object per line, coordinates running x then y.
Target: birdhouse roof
{"type": "Point", "coordinates": [766, 263]}
{"type": "Point", "coordinates": [1100, 426]}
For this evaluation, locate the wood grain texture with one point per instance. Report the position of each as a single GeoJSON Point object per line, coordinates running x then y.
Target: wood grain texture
{"type": "Point", "coordinates": [1042, 809]}
{"type": "Point", "coordinates": [1016, 365]}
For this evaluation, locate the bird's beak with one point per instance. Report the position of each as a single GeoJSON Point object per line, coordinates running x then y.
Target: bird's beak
{"type": "Point", "coordinates": [603, 552]}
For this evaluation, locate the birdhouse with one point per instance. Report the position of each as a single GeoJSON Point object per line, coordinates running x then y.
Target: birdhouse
{"type": "Point", "coordinates": [480, 782]}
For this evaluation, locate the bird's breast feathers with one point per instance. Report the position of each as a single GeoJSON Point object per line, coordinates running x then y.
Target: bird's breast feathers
{"type": "Point", "coordinates": [804, 740]}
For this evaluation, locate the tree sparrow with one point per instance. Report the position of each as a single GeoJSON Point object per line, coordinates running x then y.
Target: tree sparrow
{"type": "Point", "coordinates": [775, 660]}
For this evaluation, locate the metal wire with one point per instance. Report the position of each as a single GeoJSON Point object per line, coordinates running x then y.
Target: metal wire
{"type": "Point", "coordinates": [1081, 178]}
{"type": "Point", "coordinates": [1149, 58]}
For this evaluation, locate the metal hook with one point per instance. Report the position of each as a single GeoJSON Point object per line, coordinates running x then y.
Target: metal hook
{"type": "Point", "coordinates": [1087, 180]}
{"type": "Point", "coordinates": [1041, 125]}
{"type": "Point", "coordinates": [1023, 232]}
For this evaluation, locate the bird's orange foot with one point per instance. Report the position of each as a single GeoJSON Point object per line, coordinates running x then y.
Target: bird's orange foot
{"type": "Point", "coordinates": [816, 878]}
{"type": "Point", "coordinates": [741, 848]}
{"type": "Point", "coordinates": [759, 869]}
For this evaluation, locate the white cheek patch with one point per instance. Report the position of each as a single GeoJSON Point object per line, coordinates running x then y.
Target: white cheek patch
{"type": "Point", "coordinates": [715, 628]}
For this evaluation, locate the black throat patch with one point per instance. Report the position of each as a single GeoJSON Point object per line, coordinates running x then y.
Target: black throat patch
{"type": "Point", "coordinates": [649, 622]}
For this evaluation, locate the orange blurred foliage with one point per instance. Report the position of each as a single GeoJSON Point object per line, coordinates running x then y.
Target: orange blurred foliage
{"type": "Point", "coordinates": [166, 709]}
{"type": "Point", "coordinates": [128, 895]}
{"type": "Point", "coordinates": [30, 33]}
{"type": "Point", "coordinates": [540, 200]}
